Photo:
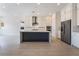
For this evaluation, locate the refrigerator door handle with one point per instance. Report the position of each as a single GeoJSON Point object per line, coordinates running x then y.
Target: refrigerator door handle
{"type": "Point", "coordinates": [64, 28]}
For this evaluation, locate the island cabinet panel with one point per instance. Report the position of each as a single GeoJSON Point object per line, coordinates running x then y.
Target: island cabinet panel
{"type": "Point", "coordinates": [34, 36]}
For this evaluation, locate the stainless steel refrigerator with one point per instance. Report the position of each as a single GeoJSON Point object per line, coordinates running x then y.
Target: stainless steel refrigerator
{"type": "Point", "coordinates": [66, 31]}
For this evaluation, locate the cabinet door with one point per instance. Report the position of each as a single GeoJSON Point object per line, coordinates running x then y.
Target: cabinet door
{"type": "Point", "coordinates": [63, 15]}
{"type": "Point", "coordinates": [35, 36]}
{"type": "Point", "coordinates": [68, 12]}
{"type": "Point", "coordinates": [28, 21]}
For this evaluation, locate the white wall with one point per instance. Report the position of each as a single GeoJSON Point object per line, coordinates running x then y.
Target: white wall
{"type": "Point", "coordinates": [11, 25]}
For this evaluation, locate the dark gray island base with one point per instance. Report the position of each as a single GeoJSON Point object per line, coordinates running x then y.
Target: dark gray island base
{"type": "Point", "coordinates": [34, 36]}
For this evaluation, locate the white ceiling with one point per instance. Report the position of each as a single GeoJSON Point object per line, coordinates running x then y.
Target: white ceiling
{"type": "Point", "coordinates": [28, 8]}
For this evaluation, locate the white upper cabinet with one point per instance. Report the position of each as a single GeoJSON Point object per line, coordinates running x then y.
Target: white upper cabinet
{"type": "Point", "coordinates": [69, 12]}
{"type": "Point", "coordinates": [28, 21]}
{"type": "Point", "coordinates": [66, 13]}
{"type": "Point", "coordinates": [48, 20]}
{"type": "Point", "coordinates": [77, 14]}
{"type": "Point", "coordinates": [63, 15]}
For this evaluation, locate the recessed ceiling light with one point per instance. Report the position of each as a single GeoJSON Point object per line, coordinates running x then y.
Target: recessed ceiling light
{"type": "Point", "coordinates": [58, 4]}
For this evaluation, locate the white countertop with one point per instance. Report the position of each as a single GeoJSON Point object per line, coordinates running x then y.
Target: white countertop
{"type": "Point", "coordinates": [34, 31]}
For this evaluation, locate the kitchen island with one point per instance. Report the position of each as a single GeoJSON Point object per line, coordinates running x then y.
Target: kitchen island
{"type": "Point", "coordinates": [34, 36]}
